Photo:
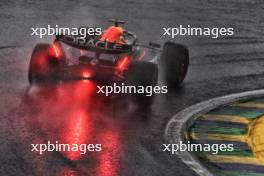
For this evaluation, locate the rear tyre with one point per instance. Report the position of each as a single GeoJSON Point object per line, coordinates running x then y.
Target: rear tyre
{"type": "Point", "coordinates": [142, 75]}
{"type": "Point", "coordinates": [42, 67]}
{"type": "Point", "coordinates": [174, 63]}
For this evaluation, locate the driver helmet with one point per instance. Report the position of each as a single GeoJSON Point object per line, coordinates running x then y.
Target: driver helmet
{"type": "Point", "coordinates": [114, 35]}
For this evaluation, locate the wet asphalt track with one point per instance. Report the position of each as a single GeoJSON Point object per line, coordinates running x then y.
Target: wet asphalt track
{"type": "Point", "coordinates": [132, 139]}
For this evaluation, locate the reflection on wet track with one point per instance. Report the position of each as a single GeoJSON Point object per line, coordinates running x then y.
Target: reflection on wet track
{"type": "Point", "coordinates": [73, 113]}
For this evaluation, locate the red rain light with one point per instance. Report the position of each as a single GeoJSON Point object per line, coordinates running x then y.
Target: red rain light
{"type": "Point", "coordinates": [86, 74]}
{"type": "Point", "coordinates": [142, 55]}
{"type": "Point", "coordinates": [123, 63]}
{"type": "Point", "coordinates": [55, 51]}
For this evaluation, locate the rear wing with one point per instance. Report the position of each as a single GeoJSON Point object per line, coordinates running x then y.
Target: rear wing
{"type": "Point", "coordinates": [92, 43]}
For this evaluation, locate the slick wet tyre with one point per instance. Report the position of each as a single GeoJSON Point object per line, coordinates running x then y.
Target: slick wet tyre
{"type": "Point", "coordinates": [42, 68]}
{"type": "Point", "coordinates": [174, 63]}
{"type": "Point", "coordinates": [142, 74]}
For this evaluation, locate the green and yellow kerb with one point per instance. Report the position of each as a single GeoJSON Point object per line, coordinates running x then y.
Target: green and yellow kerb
{"type": "Point", "coordinates": [240, 124]}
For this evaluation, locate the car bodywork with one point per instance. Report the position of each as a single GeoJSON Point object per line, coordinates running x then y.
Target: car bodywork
{"type": "Point", "coordinates": [105, 57]}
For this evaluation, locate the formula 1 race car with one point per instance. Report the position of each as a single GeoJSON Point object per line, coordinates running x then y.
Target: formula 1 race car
{"type": "Point", "coordinates": [115, 56]}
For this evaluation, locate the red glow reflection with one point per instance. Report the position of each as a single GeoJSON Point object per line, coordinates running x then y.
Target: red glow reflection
{"type": "Point", "coordinates": [76, 131]}
{"type": "Point", "coordinates": [77, 126]}
{"type": "Point", "coordinates": [67, 172]}
{"type": "Point", "coordinates": [108, 158]}
{"type": "Point", "coordinates": [72, 113]}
